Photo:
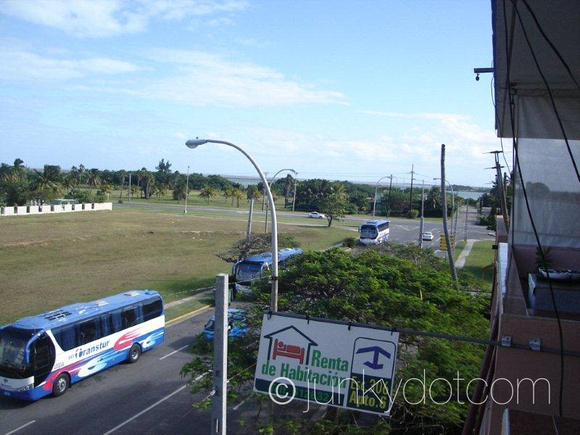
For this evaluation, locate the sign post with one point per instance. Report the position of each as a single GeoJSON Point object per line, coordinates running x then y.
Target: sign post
{"type": "Point", "coordinates": [330, 363]}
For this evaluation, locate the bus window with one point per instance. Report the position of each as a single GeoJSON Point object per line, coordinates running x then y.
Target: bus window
{"type": "Point", "coordinates": [115, 322]}
{"type": "Point", "coordinates": [90, 330]}
{"type": "Point", "coordinates": [66, 337]}
{"type": "Point", "coordinates": [152, 309]}
{"type": "Point", "coordinates": [129, 317]}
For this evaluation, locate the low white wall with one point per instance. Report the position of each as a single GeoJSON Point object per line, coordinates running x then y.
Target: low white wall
{"type": "Point", "coordinates": [27, 210]}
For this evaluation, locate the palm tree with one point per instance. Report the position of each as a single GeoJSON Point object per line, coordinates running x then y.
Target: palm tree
{"type": "Point", "coordinates": [93, 179]}
{"type": "Point", "coordinates": [238, 195]}
{"type": "Point", "coordinates": [208, 193]}
{"type": "Point", "coordinates": [44, 188]}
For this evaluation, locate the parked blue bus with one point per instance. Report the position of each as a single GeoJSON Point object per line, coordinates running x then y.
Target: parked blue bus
{"type": "Point", "coordinates": [374, 232]}
{"type": "Point", "coordinates": [45, 354]}
{"type": "Point", "coordinates": [258, 266]}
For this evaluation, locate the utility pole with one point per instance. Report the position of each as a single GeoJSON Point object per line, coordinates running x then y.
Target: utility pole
{"type": "Point", "coordinates": [444, 206]}
{"type": "Point", "coordinates": [220, 355]}
{"type": "Point", "coordinates": [501, 188]}
{"type": "Point", "coordinates": [422, 224]}
{"type": "Point", "coordinates": [411, 194]}
{"type": "Point", "coordinates": [186, 190]}
{"type": "Point", "coordinates": [249, 231]}
{"type": "Point", "coordinates": [389, 200]}
{"type": "Point", "coordinates": [294, 199]}
{"type": "Point", "coordinates": [466, 217]}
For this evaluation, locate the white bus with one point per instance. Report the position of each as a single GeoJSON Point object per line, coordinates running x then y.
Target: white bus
{"type": "Point", "coordinates": [45, 354]}
{"type": "Point", "coordinates": [374, 232]}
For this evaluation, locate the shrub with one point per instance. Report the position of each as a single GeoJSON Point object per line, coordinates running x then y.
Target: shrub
{"type": "Point", "coordinates": [412, 214]}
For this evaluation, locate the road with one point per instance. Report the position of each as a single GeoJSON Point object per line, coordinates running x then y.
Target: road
{"type": "Point", "coordinates": [149, 397]}
{"type": "Point", "coordinates": [402, 230]}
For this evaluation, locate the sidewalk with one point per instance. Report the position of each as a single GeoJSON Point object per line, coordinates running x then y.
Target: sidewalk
{"type": "Point", "coordinates": [463, 256]}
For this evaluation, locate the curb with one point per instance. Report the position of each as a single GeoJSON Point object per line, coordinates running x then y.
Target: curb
{"type": "Point", "coordinates": [187, 315]}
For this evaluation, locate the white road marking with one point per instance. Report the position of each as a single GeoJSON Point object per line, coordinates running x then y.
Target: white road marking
{"type": "Point", "coordinates": [145, 410]}
{"type": "Point", "coordinates": [241, 403]}
{"type": "Point", "coordinates": [174, 352]}
{"type": "Point", "coordinates": [22, 427]}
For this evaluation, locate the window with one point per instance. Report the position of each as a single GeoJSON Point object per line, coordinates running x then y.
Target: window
{"type": "Point", "coordinates": [66, 337]}
{"type": "Point", "coordinates": [130, 317]}
{"type": "Point", "coordinates": [152, 309]}
{"type": "Point", "coordinates": [90, 330]}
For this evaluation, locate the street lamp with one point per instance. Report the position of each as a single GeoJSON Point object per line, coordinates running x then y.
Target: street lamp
{"type": "Point", "coordinates": [194, 143]}
{"type": "Point", "coordinates": [272, 182]}
{"type": "Point", "coordinates": [376, 187]}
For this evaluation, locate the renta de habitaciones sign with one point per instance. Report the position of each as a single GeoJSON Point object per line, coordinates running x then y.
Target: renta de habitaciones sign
{"type": "Point", "coordinates": [329, 363]}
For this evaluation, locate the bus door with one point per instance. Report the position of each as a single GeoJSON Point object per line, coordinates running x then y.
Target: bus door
{"type": "Point", "coordinates": [43, 357]}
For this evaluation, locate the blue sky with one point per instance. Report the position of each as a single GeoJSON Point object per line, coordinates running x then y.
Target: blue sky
{"type": "Point", "coordinates": [334, 89]}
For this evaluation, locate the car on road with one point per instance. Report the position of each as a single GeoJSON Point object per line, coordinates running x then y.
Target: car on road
{"type": "Point", "coordinates": [236, 324]}
{"type": "Point", "coordinates": [316, 215]}
{"type": "Point", "coordinates": [427, 235]}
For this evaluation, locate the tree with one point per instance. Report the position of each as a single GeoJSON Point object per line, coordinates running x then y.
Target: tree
{"type": "Point", "coordinates": [238, 195]}
{"type": "Point", "coordinates": [257, 244]}
{"type": "Point", "coordinates": [14, 184]}
{"type": "Point", "coordinates": [208, 193]}
{"type": "Point", "coordinates": [393, 286]}
{"type": "Point", "coordinates": [333, 206]}
{"type": "Point", "coordinates": [147, 181]}
{"type": "Point", "coordinates": [93, 178]}
{"type": "Point", "coordinates": [45, 187]}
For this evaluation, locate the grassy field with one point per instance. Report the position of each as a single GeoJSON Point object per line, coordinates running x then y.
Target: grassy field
{"type": "Point", "coordinates": [479, 261]}
{"type": "Point", "coordinates": [51, 260]}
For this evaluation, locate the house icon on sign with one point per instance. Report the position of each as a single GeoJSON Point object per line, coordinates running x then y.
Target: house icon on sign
{"type": "Point", "coordinates": [289, 342]}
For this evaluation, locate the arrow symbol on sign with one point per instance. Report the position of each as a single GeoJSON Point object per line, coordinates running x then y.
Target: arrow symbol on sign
{"type": "Point", "coordinates": [378, 351]}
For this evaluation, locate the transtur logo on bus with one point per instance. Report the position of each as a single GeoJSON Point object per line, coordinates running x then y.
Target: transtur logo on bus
{"type": "Point", "coordinates": [80, 353]}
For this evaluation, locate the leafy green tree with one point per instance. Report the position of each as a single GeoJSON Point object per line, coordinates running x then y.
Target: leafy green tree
{"type": "Point", "coordinates": [146, 181]}
{"type": "Point", "coordinates": [257, 244]}
{"type": "Point", "coordinates": [46, 186]}
{"type": "Point", "coordinates": [394, 286]}
{"type": "Point", "coordinates": [14, 185]}
{"type": "Point", "coordinates": [333, 206]}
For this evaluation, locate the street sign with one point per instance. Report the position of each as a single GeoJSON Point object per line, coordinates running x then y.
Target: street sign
{"type": "Point", "coordinates": [443, 243]}
{"type": "Point", "coordinates": [334, 364]}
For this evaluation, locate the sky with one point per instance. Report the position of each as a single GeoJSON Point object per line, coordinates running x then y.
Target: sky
{"type": "Point", "coordinates": [342, 89]}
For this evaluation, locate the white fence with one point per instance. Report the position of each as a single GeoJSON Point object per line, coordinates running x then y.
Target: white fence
{"type": "Point", "coordinates": [27, 210]}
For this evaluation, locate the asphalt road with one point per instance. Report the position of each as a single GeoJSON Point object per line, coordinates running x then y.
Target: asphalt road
{"type": "Point", "coordinates": [402, 230]}
{"type": "Point", "coordinates": [149, 397]}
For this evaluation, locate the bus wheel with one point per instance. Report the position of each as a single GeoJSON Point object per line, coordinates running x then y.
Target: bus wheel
{"type": "Point", "coordinates": [60, 385]}
{"type": "Point", "coordinates": [134, 353]}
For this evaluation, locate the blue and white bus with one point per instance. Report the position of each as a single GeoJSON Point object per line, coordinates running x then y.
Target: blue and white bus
{"type": "Point", "coordinates": [45, 354]}
{"type": "Point", "coordinates": [374, 232]}
{"type": "Point", "coordinates": [258, 266]}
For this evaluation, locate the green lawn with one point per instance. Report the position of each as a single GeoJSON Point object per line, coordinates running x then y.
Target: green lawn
{"type": "Point", "coordinates": [52, 260]}
{"type": "Point", "coordinates": [479, 262]}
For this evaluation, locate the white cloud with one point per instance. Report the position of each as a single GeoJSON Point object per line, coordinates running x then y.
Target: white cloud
{"type": "Point", "coordinates": [21, 65]}
{"type": "Point", "coordinates": [207, 79]}
{"type": "Point", "coordinates": [104, 18]}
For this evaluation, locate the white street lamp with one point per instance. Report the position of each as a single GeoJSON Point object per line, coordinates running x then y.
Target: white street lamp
{"type": "Point", "coordinates": [376, 187]}
{"type": "Point", "coordinates": [272, 182]}
{"type": "Point", "coordinates": [194, 143]}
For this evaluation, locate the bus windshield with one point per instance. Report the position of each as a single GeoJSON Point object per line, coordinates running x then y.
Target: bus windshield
{"type": "Point", "coordinates": [368, 232]}
{"type": "Point", "coordinates": [13, 351]}
{"type": "Point", "coordinates": [248, 271]}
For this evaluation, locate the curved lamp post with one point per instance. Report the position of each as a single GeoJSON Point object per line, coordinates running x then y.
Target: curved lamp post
{"type": "Point", "coordinates": [376, 187]}
{"type": "Point", "coordinates": [194, 143]}
{"type": "Point", "coordinates": [272, 182]}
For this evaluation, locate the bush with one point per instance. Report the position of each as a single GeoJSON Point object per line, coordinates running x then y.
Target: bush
{"type": "Point", "coordinates": [412, 214]}
{"type": "Point", "coordinates": [349, 242]}
{"type": "Point", "coordinates": [81, 196]}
